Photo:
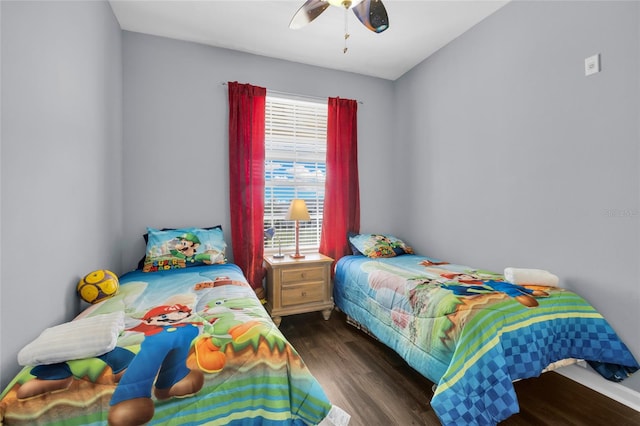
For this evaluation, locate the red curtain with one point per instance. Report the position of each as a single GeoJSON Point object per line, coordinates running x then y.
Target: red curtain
{"type": "Point", "coordinates": [342, 195]}
{"type": "Point", "coordinates": [246, 179]}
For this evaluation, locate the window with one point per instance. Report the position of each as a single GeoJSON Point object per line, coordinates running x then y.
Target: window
{"type": "Point", "coordinates": [295, 167]}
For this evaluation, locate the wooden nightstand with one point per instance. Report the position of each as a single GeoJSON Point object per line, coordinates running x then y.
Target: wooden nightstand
{"type": "Point", "coordinates": [295, 286]}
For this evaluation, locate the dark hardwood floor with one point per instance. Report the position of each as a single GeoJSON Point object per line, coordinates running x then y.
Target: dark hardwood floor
{"type": "Point", "coordinates": [373, 384]}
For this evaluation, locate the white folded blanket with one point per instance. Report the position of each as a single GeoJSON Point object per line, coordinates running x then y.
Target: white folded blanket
{"type": "Point", "coordinates": [336, 417]}
{"type": "Point", "coordinates": [530, 276]}
{"type": "Point", "coordinates": [82, 338]}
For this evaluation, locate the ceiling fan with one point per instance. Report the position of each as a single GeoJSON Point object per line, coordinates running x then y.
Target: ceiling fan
{"type": "Point", "coordinates": [371, 13]}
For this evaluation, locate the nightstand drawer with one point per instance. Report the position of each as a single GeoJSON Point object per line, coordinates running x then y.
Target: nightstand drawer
{"type": "Point", "coordinates": [302, 274]}
{"type": "Point", "coordinates": [300, 294]}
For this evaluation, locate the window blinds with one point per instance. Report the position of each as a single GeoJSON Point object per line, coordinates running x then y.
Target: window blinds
{"type": "Point", "coordinates": [295, 167]}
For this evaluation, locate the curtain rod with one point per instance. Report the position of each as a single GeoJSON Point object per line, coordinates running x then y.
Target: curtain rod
{"type": "Point", "coordinates": [296, 95]}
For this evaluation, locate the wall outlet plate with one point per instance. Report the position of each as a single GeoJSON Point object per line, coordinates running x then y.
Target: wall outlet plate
{"type": "Point", "coordinates": [592, 64]}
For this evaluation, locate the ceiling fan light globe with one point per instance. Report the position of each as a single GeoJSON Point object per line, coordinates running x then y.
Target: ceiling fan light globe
{"type": "Point", "coordinates": [381, 28]}
{"type": "Point", "coordinates": [348, 4]}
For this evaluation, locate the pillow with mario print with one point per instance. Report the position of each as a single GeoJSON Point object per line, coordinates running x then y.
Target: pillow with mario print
{"type": "Point", "coordinates": [379, 245]}
{"type": "Point", "coordinates": [183, 248]}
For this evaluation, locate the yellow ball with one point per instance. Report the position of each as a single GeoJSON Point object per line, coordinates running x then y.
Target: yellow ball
{"type": "Point", "coordinates": [97, 286]}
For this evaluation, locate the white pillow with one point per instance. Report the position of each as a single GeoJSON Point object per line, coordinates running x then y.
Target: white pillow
{"type": "Point", "coordinates": [82, 338]}
{"type": "Point", "coordinates": [524, 276]}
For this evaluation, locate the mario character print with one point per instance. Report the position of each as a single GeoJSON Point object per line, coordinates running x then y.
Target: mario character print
{"type": "Point", "coordinates": [50, 378]}
{"type": "Point", "coordinates": [168, 333]}
{"type": "Point", "coordinates": [470, 284]}
{"type": "Point", "coordinates": [186, 247]}
{"type": "Point", "coordinates": [384, 246]}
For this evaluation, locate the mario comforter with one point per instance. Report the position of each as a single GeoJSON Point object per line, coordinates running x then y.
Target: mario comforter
{"type": "Point", "coordinates": [190, 346]}
{"type": "Point", "coordinates": [471, 332]}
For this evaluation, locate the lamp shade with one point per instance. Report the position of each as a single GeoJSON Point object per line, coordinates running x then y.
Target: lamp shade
{"type": "Point", "coordinates": [269, 233]}
{"type": "Point", "coordinates": [297, 210]}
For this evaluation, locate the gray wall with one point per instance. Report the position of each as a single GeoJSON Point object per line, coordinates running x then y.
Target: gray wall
{"type": "Point", "coordinates": [61, 162]}
{"type": "Point", "coordinates": [515, 158]}
{"type": "Point", "coordinates": [507, 155]}
{"type": "Point", "coordinates": [176, 132]}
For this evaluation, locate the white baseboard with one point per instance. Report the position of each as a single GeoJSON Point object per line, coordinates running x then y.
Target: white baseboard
{"type": "Point", "coordinates": [591, 379]}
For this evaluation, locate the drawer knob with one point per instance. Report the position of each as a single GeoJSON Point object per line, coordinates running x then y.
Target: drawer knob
{"type": "Point", "coordinates": [304, 293]}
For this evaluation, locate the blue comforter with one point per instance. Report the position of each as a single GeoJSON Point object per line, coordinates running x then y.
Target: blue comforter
{"type": "Point", "coordinates": [470, 332]}
{"type": "Point", "coordinates": [201, 327]}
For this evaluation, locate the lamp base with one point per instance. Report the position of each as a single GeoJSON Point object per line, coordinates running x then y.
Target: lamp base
{"type": "Point", "coordinates": [278, 256]}
{"type": "Point", "coordinates": [296, 256]}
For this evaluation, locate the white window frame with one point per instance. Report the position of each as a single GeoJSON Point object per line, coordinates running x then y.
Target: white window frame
{"type": "Point", "coordinates": [295, 167]}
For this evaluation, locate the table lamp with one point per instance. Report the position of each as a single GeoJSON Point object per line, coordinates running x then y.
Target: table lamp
{"type": "Point", "coordinates": [297, 211]}
{"type": "Point", "coordinates": [268, 235]}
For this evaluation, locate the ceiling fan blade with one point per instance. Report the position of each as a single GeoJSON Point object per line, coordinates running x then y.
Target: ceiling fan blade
{"type": "Point", "coordinates": [373, 15]}
{"type": "Point", "coordinates": [309, 11]}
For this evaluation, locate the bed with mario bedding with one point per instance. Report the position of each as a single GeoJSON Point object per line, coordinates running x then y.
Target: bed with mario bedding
{"type": "Point", "coordinates": [472, 332]}
{"type": "Point", "coordinates": [177, 345]}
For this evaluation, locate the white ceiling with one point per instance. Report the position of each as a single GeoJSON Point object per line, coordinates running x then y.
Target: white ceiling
{"type": "Point", "coordinates": [417, 29]}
